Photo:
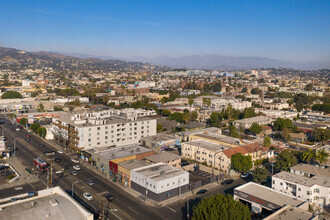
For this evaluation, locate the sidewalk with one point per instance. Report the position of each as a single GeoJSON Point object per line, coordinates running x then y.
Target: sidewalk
{"type": "Point", "coordinates": [24, 178]}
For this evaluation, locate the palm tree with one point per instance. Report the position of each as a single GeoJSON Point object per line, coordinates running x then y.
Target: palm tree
{"type": "Point", "coordinates": [321, 156]}
{"type": "Point", "coordinates": [308, 156]}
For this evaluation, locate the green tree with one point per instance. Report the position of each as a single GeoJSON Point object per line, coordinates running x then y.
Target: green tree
{"type": "Point", "coordinates": [260, 174]}
{"type": "Point", "coordinates": [41, 108]}
{"type": "Point", "coordinates": [11, 95]}
{"type": "Point", "coordinates": [23, 121]}
{"type": "Point", "coordinates": [190, 102]}
{"type": "Point", "coordinates": [215, 119]}
{"type": "Point", "coordinates": [281, 123]}
{"type": "Point", "coordinates": [267, 142]}
{"type": "Point", "coordinates": [159, 127]}
{"type": "Point", "coordinates": [42, 132]}
{"type": "Point", "coordinates": [233, 131]}
{"type": "Point", "coordinates": [186, 116]}
{"type": "Point", "coordinates": [308, 156]}
{"type": "Point", "coordinates": [321, 156]}
{"type": "Point", "coordinates": [322, 107]}
{"type": "Point", "coordinates": [241, 163]}
{"type": "Point", "coordinates": [285, 133]}
{"type": "Point", "coordinates": [56, 108]}
{"type": "Point", "coordinates": [285, 160]}
{"type": "Point", "coordinates": [193, 116]}
{"type": "Point", "coordinates": [309, 87]}
{"type": "Point", "coordinates": [321, 134]}
{"type": "Point", "coordinates": [256, 91]}
{"type": "Point", "coordinates": [166, 112]}
{"type": "Point", "coordinates": [301, 101]}
{"type": "Point", "coordinates": [207, 101]}
{"type": "Point", "coordinates": [177, 116]}
{"type": "Point", "coordinates": [255, 128]}
{"type": "Point", "coordinates": [249, 113]}
{"type": "Point", "coordinates": [221, 207]}
{"type": "Point", "coordinates": [35, 126]}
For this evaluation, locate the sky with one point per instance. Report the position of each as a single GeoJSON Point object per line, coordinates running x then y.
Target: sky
{"type": "Point", "coordinates": [290, 30]}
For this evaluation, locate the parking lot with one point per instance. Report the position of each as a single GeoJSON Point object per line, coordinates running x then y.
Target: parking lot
{"type": "Point", "coordinates": [5, 172]}
{"type": "Point", "coordinates": [200, 178]}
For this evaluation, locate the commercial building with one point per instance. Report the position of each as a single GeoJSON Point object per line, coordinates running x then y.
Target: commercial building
{"type": "Point", "coordinates": [247, 122]}
{"type": "Point", "coordinates": [261, 197]}
{"type": "Point", "coordinates": [52, 203]}
{"type": "Point", "coordinates": [289, 212]}
{"type": "Point", "coordinates": [107, 159]}
{"type": "Point", "coordinates": [159, 181]}
{"type": "Point", "coordinates": [160, 141]}
{"type": "Point", "coordinates": [125, 168]}
{"type": "Point", "coordinates": [305, 182]}
{"type": "Point", "coordinates": [94, 129]}
{"type": "Point", "coordinates": [165, 157]}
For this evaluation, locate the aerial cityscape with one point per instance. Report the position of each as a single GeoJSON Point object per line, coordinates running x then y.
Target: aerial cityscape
{"type": "Point", "coordinates": [170, 110]}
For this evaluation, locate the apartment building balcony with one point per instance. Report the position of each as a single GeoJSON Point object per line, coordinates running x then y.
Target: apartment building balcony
{"type": "Point", "coordinates": [60, 125]}
{"type": "Point", "coordinates": [72, 130]}
{"type": "Point", "coordinates": [74, 136]}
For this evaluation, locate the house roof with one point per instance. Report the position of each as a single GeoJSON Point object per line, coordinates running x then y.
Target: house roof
{"type": "Point", "coordinates": [249, 148]}
{"type": "Point", "coordinates": [297, 135]}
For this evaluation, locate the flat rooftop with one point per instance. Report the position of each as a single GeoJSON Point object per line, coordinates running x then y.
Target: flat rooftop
{"type": "Point", "coordinates": [302, 180]}
{"type": "Point", "coordinates": [291, 213]}
{"type": "Point", "coordinates": [307, 168]}
{"type": "Point", "coordinates": [133, 164]}
{"type": "Point", "coordinates": [65, 209]}
{"type": "Point", "coordinates": [163, 157]}
{"type": "Point", "coordinates": [120, 151]}
{"type": "Point", "coordinates": [253, 120]}
{"type": "Point", "coordinates": [208, 145]}
{"type": "Point", "coordinates": [269, 194]}
{"type": "Point", "coordinates": [160, 171]}
{"type": "Point", "coordinates": [223, 138]}
{"type": "Point", "coordinates": [159, 137]}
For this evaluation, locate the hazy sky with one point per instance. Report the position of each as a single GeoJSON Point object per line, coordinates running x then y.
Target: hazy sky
{"type": "Point", "coordinates": [284, 29]}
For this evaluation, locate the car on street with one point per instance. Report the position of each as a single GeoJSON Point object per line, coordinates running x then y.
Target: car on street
{"type": "Point", "coordinates": [49, 153]}
{"type": "Point", "coordinates": [74, 160]}
{"type": "Point", "coordinates": [74, 173]}
{"type": "Point", "coordinates": [89, 182]}
{"type": "Point", "coordinates": [42, 145]}
{"type": "Point", "coordinates": [244, 175]}
{"type": "Point", "coordinates": [28, 136]}
{"type": "Point", "coordinates": [201, 192]}
{"type": "Point", "coordinates": [76, 167]}
{"type": "Point", "coordinates": [60, 151]}
{"type": "Point", "coordinates": [109, 197]}
{"type": "Point", "coordinates": [17, 129]}
{"type": "Point", "coordinates": [88, 196]}
{"type": "Point", "coordinates": [57, 159]}
{"type": "Point", "coordinates": [227, 182]}
{"type": "Point", "coordinates": [28, 139]}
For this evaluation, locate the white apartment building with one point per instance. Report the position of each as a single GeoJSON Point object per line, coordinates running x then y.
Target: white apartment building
{"type": "Point", "coordinates": [277, 113]}
{"type": "Point", "coordinates": [305, 182]}
{"type": "Point", "coordinates": [160, 181]}
{"type": "Point", "coordinates": [236, 104]}
{"type": "Point", "coordinates": [90, 129]}
{"type": "Point", "coordinates": [203, 151]}
{"type": "Point", "coordinates": [247, 122]}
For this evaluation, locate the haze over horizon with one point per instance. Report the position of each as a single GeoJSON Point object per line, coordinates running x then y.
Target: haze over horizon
{"type": "Point", "coordinates": [291, 31]}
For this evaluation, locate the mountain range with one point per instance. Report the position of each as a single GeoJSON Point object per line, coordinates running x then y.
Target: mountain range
{"type": "Point", "coordinates": [209, 62]}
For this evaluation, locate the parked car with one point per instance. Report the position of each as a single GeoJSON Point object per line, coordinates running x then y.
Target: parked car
{"type": "Point", "coordinates": [227, 182]}
{"type": "Point", "coordinates": [57, 159]}
{"type": "Point", "coordinates": [244, 175]}
{"type": "Point", "coordinates": [49, 153]}
{"type": "Point", "coordinates": [74, 160]}
{"type": "Point", "coordinates": [17, 129]}
{"type": "Point", "coordinates": [27, 139]}
{"type": "Point", "coordinates": [60, 151]}
{"type": "Point", "coordinates": [74, 173]}
{"type": "Point", "coordinates": [42, 145]}
{"type": "Point", "coordinates": [109, 197]}
{"type": "Point", "coordinates": [201, 192]}
{"type": "Point", "coordinates": [89, 182]}
{"type": "Point", "coordinates": [76, 167]}
{"type": "Point", "coordinates": [28, 135]}
{"type": "Point", "coordinates": [88, 196]}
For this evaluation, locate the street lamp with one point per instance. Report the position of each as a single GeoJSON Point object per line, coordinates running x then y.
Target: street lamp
{"type": "Point", "coordinates": [15, 146]}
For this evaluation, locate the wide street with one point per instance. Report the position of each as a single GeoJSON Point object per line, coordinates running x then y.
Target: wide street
{"type": "Point", "coordinates": [124, 206]}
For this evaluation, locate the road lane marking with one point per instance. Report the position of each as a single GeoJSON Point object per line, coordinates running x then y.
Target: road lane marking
{"type": "Point", "coordinates": [170, 209]}
{"type": "Point", "coordinates": [133, 210]}
{"type": "Point", "coordinates": [114, 214]}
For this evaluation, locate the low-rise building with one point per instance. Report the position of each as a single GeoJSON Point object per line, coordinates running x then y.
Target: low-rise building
{"type": "Point", "coordinates": [247, 122]}
{"type": "Point", "coordinates": [52, 203]}
{"type": "Point", "coordinates": [160, 141]}
{"type": "Point", "coordinates": [159, 181]}
{"type": "Point", "coordinates": [125, 168]}
{"type": "Point", "coordinates": [305, 182]}
{"type": "Point", "coordinates": [298, 137]}
{"type": "Point", "coordinates": [165, 157]}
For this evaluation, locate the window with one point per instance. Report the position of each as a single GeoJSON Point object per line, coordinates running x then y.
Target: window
{"type": "Point", "coordinates": [106, 127]}
{"type": "Point", "coordinates": [98, 133]}
{"type": "Point", "coordinates": [299, 189]}
{"type": "Point", "coordinates": [106, 137]}
{"type": "Point", "coordinates": [98, 143]}
{"type": "Point", "coordinates": [273, 181]}
{"type": "Point", "coordinates": [106, 132]}
{"type": "Point", "coordinates": [281, 184]}
{"type": "Point", "coordinates": [89, 140]}
{"type": "Point", "coordinates": [98, 138]}
{"type": "Point", "coordinates": [89, 129]}
{"type": "Point", "coordinates": [98, 128]}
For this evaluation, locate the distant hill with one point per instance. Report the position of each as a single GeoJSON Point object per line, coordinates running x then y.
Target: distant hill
{"type": "Point", "coordinates": [228, 62]}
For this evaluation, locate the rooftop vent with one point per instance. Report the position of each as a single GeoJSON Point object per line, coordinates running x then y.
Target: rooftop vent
{"type": "Point", "coordinates": [162, 172]}
{"type": "Point", "coordinates": [138, 149]}
{"type": "Point", "coordinates": [154, 168]}
{"type": "Point", "coordinates": [53, 202]}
